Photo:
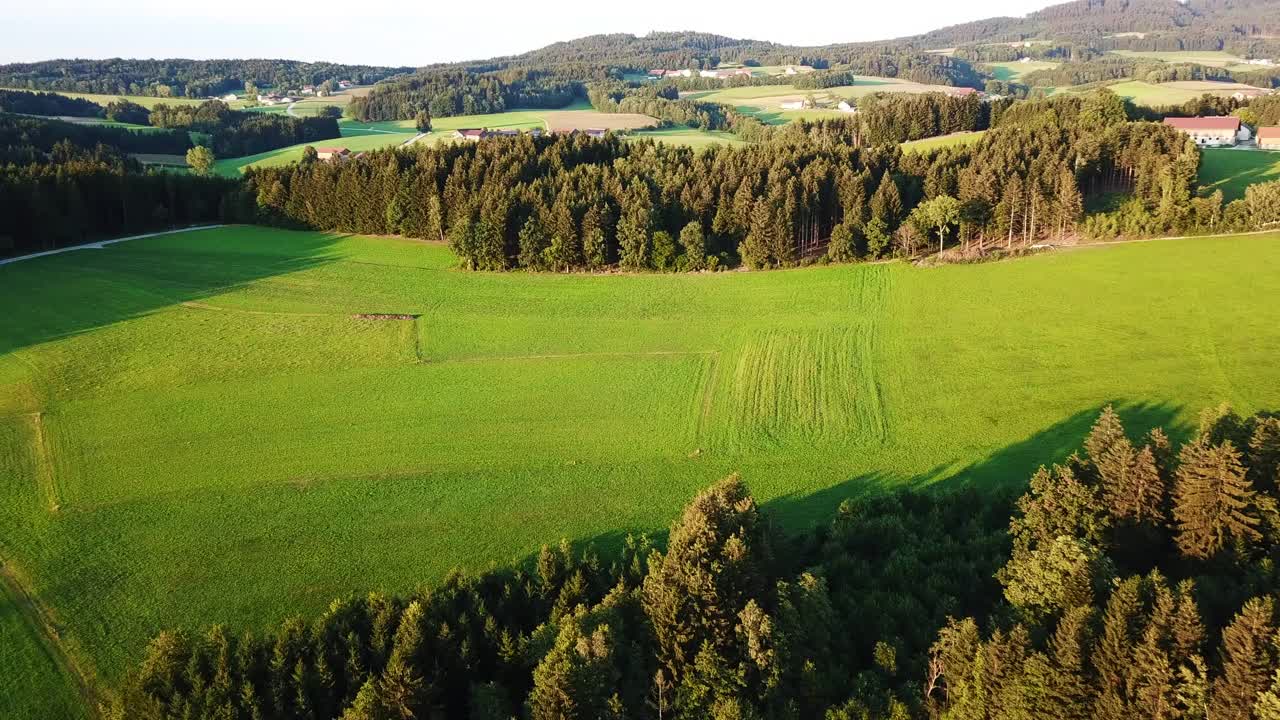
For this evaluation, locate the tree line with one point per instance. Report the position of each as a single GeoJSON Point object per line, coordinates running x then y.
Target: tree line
{"type": "Point", "coordinates": [234, 133]}
{"type": "Point", "coordinates": [564, 203]}
{"type": "Point", "coordinates": [31, 137]}
{"type": "Point", "coordinates": [1132, 580]}
{"type": "Point", "coordinates": [182, 78]}
{"type": "Point", "coordinates": [458, 92]}
{"type": "Point", "coordinates": [47, 103]}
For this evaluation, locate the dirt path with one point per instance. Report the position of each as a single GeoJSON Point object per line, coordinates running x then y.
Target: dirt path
{"type": "Point", "coordinates": [104, 243]}
{"type": "Point", "coordinates": [40, 619]}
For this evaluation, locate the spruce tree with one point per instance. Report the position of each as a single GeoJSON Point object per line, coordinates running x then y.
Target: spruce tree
{"type": "Point", "coordinates": [1213, 501]}
{"type": "Point", "coordinates": [1248, 661]}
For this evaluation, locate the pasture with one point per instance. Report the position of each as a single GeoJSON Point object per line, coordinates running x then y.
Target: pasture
{"type": "Point", "coordinates": [1013, 71]}
{"type": "Point", "coordinates": [200, 427]}
{"type": "Point", "coordinates": [765, 101]}
{"type": "Point", "coordinates": [1233, 171]}
{"type": "Point", "coordinates": [1212, 58]}
{"type": "Point", "coordinates": [232, 167]}
{"type": "Point", "coordinates": [1171, 93]}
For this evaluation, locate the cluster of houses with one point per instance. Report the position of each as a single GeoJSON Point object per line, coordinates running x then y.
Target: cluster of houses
{"type": "Point", "coordinates": [1224, 131]}
{"type": "Point", "coordinates": [722, 74]}
{"type": "Point", "coordinates": [478, 134]}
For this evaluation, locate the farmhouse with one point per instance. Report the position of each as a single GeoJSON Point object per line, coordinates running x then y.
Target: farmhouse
{"type": "Point", "coordinates": [471, 134]}
{"type": "Point", "coordinates": [345, 84]}
{"type": "Point", "coordinates": [332, 153]}
{"type": "Point", "coordinates": [1208, 130]}
{"type": "Point", "coordinates": [1269, 138]}
{"type": "Point", "coordinates": [596, 132]}
{"type": "Point", "coordinates": [230, 97]}
{"type": "Point", "coordinates": [308, 89]}
{"type": "Point", "coordinates": [844, 106]}
{"type": "Point", "coordinates": [1249, 93]}
{"type": "Point", "coordinates": [961, 91]}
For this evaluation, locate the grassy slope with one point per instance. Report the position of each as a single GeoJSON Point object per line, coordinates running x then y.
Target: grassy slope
{"type": "Point", "coordinates": [1213, 58]}
{"type": "Point", "coordinates": [688, 136]}
{"type": "Point", "coordinates": [283, 156]}
{"type": "Point", "coordinates": [259, 451]}
{"type": "Point", "coordinates": [1233, 171]}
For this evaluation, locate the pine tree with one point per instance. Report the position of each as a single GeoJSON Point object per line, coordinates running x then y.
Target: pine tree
{"type": "Point", "coordinates": [595, 250]}
{"type": "Point", "coordinates": [1112, 657]}
{"type": "Point", "coordinates": [1212, 500]}
{"type": "Point", "coordinates": [1248, 660]}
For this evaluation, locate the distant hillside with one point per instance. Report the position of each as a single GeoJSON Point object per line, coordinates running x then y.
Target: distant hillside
{"type": "Point", "coordinates": [1222, 20]}
{"type": "Point", "coordinates": [182, 78]}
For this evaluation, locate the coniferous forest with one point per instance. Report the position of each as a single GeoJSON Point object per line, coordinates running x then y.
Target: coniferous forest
{"type": "Point", "coordinates": [1135, 579]}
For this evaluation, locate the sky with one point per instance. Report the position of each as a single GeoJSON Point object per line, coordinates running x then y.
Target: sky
{"type": "Point", "coordinates": [379, 32]}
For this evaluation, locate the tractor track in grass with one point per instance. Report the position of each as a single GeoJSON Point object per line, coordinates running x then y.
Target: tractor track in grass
{"type": "Point", "coordinates": [41, 619]}
{"type": "Point", "coordinates": [45, 481]}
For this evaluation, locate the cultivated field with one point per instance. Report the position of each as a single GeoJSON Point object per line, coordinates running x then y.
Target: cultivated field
{"type": "Point", "coordinates": [1212, 58]}
{"type": "Point", "coordinates": [765, 101]}
{"type": "Point", "coordinates": [582, 119]}
{"type": "Point", "coordinates": [201, 428]}
{"type": "Point", "coordinates": [1233, 171]}
{"type": "Point", "coordinates": [1172, 93]}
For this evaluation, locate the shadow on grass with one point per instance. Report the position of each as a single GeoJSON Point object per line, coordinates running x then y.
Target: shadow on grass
{"type": "Point", "coordinates": [1001, 475]}
{"type": "Point", "coordinates": [63, 295]}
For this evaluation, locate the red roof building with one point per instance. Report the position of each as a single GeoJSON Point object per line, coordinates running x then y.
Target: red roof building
{"type": "Point", "coordinates": [1208, 130]}
{"type": "Point", "coordinates": [1269, 138]}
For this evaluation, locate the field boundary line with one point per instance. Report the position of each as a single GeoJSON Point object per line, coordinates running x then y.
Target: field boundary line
{"type": "Point", "coordinates": [196, 305]}
{"type": "Point", "coordinates": [44, 465]}
{"type": "Point", "coordinates": [104, 243]}
{"type": "Point", "coordinates": [571, 356]}
{"type": "Point", "coordinates": [41, 619]}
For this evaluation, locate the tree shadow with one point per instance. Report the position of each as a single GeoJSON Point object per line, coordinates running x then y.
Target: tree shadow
{"type": "Point", "coordinates": [59, 296]}
{"type": "Point", "coordinates": [1005, 471]}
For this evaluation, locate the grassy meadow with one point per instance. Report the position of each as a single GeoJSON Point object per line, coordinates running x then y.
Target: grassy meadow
{"type": "Point", "coordinates": [1233, 171]}
{"type": "Point", "coordinates": [199, 427]}
{"type": "Point", "coordinates": [143, 100]}
{"type": "Point", "coordinates": [1013, 71]}
{"type": "Point", "coordinates": [1172, 93]}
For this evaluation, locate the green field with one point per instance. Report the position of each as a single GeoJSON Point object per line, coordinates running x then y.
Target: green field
{"type": "Point", "coordinates": [1233, 171]}
{"type": "Point", "coordinates": [145, 101]}
{"type": "Point", "coordinates": [1212, 58]}
{"type": "Point", "coordinates": [1008, 71]}
{"type": "Point", "coordinates": [933, 143]}
{"type": "Point", "coordinates": [232, 167]}
{"type": "Point", "coordinates": [1152, 94]}
{"type": "Point", "coordinates": [697, 139]}
{"type": "Point", "coordinates": [197, 428]}
{"type": "Point", "coordinates": [32, 685]}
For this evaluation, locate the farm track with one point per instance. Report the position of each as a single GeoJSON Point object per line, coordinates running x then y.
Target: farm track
{"type": "Point", "coordinates": [104, 243]}
{"type": "Point", "coordinates": [39, 617]}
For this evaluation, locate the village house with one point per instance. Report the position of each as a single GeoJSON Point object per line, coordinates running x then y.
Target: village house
{"type": "Point", "coordinates": [708, 73]}
{"type": "Point", "coordinates": [1249, 93]}
{"type": "Point", "coordinates": [332, 153]}
{"type": "Point", "coordinates": [1210, 131]}
{"type": "Point", "coordinates": [345, 84]}
{"type": "Point", "coordinates": [1269, 138]}
{"type": "Point", "coordinates": [308, 89]}
{"type": "Point", "coordinates": [961, 91]}
{"type": "Point", "coordinates": [471, 134]}
{"type": "Point", "coordinates": [230, 97]}
{"type": "Point", "coordinates": [596, 132]}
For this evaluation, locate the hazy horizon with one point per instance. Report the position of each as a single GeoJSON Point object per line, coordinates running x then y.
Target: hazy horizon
{"type": "Point", "coordinates": [380, 33]}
